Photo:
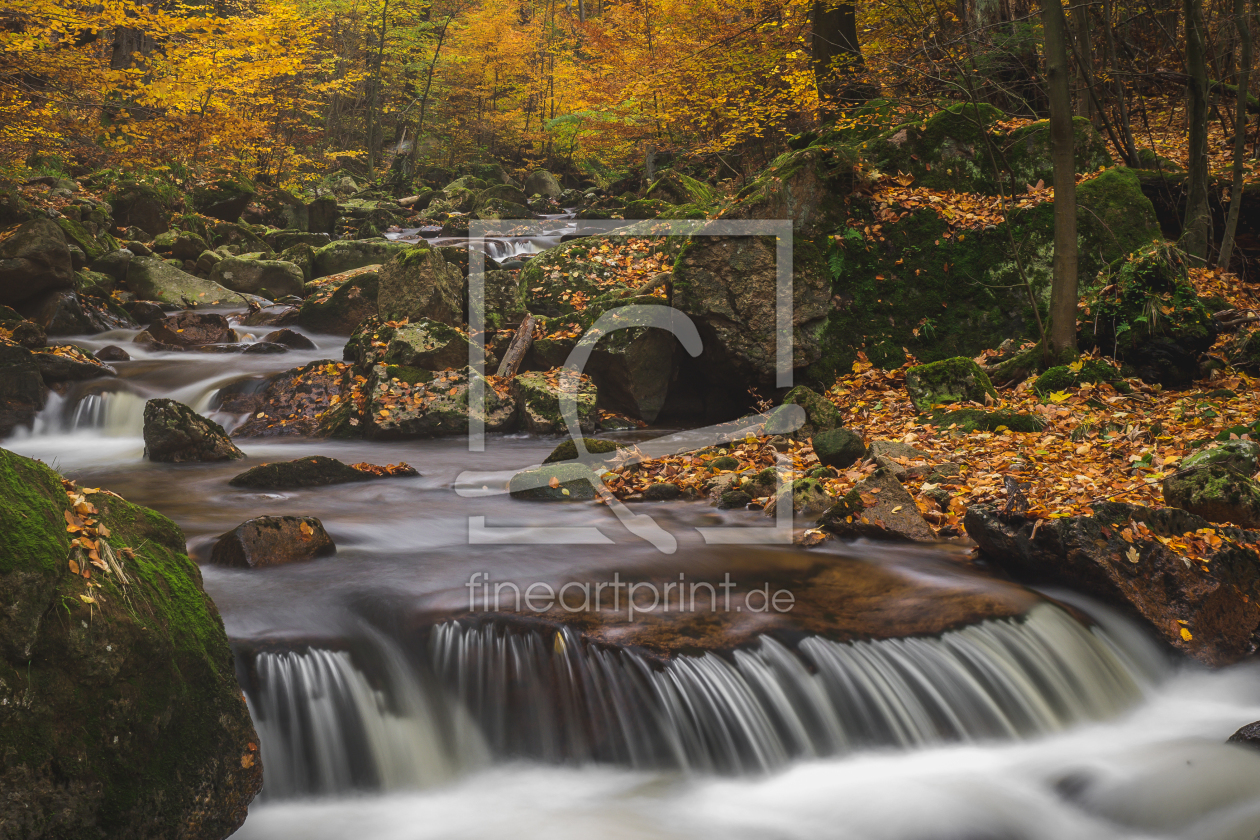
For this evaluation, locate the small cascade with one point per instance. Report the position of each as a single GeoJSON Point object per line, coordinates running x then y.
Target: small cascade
{"type": "Point", "coordinates": [325, 728]}
{"type": "Point", "coordinates": [554, 698]}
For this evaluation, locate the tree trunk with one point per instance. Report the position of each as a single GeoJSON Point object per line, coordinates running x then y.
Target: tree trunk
{"type": "Point", "coordinates": [1063, 292]}
{"type": "Point", "coordinates": [1196, 234]}
{"type": "Point", "coordinates": [1242, 20]}
{"type": "Point", "coordinates": [1085, 50]}
{"type": "Point", "coordinates": [374, 101]}
{"type": "Point", "coordinates": [836, 53]}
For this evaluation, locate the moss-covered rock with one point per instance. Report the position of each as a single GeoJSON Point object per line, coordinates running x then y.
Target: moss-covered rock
{"type": "Point", "coordinates": [420, 344]}
{"type": "Point", "coordinates": [419, 284]}
{"type": "Point", "coordinates": [539, 395]}
{"type": "Point", "coordinates": [224, 200]}
{"type": "Point", "coordinates": [150, 278]}
{"type": "Point", "coordinates": [723, 463]}
{"type": "Point", "coordinates": [542, 182]}
{"type": "Point", "coordinates": [979, 420]}
{"type": "Point", "coordinates": [1241, 456]}
{"type": "Point", "coordinates": [339, 311]}
{"type": "Point", "coordinates": [311, 471]}
{"type": "Point", "coordinates": [676, 188]}
{"type": "Point", "coordinates": [645, 208]}
{"type": "Point", "coordinates": [1217, 493]}
{"type": "Point", "coordinates": [34, 260]}
{"type": "Point", "coordinates": [572, 271]}
{"type": "Point", "coordinates": [174, 433]}
{"type": "Point", "coordinates": [948, 381]}
{"type": "Point", "coordinates": [839, 447]}
{"type": "Point", "coordinates": [267, 278]}
{"type": "Point", "coordinates": [807, 186]}
{"type": "Point", "coordinates": [1064, 377]}
{"type": "Point", "coordinates": [1145, 311]}
{"type": "Point", "coordinates": [572, 483]}
{"type": "Point", "coordinates": [440, 406]}
{"type": "Point", "coordinates": [342, 255]}
{"type": "Point", "coordinates": [597, 449]}
{"type": "Point", "coordinates": [807, 496]}
{"type": "Point", "coordinates": [120, 714]}
{"type": "Point", "coordinates": [820, 414]}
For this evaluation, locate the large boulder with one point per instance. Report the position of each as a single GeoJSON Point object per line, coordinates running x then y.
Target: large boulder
{"type": "Point", "coordinates": [542, 182]}
{"type": "Point", "coordinates": [948, 381]}
{"type": "Point", "coordinates": [191, 329]}
{"type": "Point", "coordinates": [877, 507]}
{"type": "Point", "coordinates": [420, 284]}
{"type": "Point", "coordinates": [121, 716]}
{"type": "Point", "coordinates": [339, 307]}
{"type": "Point", "coordinates": [1241, 456]}
{"type": "Point", "coordinates": [344, 254]}
{"type": "Point", "coordinates": [840, 448]}
{"type": "Point", "coordinates": [422, 344]}
{"type": "Point", "coordinates": [63, 312]}
{"type": "Point", "coordinates": [554, 483]}
{"type": "Point", "coordinates": [539, 395]}
{"type": "Point", "coordinates": [1216, 492]}
{"type": "Point", "coordinates": [150, 278]}
{"type": "Point", "coordinates": [408, 402]}
{"type": "Point", "coordinates": [34, 260]}
{"type": "Point", "coordinates": [729, 287]}
{"type": "Point", "coordinates": [503, 193]}
{"type": "Point", "coordinates": [820, 414]}
{"type": "Point", "coordinates": [66, 363]}
{"type": "Point", "coordinates": [141, 207]}
{"type": "Point", "coordinates": [267, 278]}
{"type": "Point", "coordinates": [1129, 557]}
{"type": "Point", "coordinates": [1148, 314]}
{"type": "Point", "coordinates": [224, 200]}
{"type": "Point", "coordinates": [676, 188]}
{"type": "Point", "coordinates": [315, 400]}
{"type": "Point", "coordinates": [174, 433]}
{"type": "Point", "coordinates": [272, 541]}
{"type": "Point", "coordinates": [312, 471]}
{"type": "Point", "coordinates": [22, 389]}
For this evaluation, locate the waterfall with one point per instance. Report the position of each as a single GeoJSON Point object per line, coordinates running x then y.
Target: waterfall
{"type": "Point", "coordinates": [554, 698]}
{"type": "Point", "coordinates": [325, 728]}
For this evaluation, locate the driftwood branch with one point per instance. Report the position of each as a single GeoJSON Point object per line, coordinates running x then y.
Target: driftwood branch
{"type": "Point", "coordinates": [517, 349]}
{"type": "Point", "coordinates": [665, 278]}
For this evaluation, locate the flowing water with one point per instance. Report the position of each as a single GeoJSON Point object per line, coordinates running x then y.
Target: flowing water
{"type": "Point", "coordinates": [386, 709]}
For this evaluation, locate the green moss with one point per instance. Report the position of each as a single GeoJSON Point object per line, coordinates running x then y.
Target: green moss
{"type": "Point", "coordinates": [34, 530]}
{"type": "Point", "coordinates": [978, 420]}
{"type": "Point", "coordinates": [1064, 377]}
{"type": "Point", "coordinates": [948, 381]}
{"type": "Point", "coordinates": [406, 373]}
{"type": "Point", "coordinates": [724, 462]}
{"type": "Point", "coordinates": [575, 483]}
{"type": "Point", "coordinates": [567, 450]}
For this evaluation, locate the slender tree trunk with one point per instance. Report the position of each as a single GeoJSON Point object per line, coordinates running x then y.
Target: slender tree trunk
{"type": "Point", "coordinates": [1063, 292]}
{"type": "Point", "coordinates": [1196, 235]}
{"type": "Point", "coordinates": [836, 52]}
{"type": "Point", "coordinates": [374, 101]}
{"type": "Point", "coordinates": [1242, 20]}
{"type": "Point", "coordinates": [1085, 49]}
{"type": "Point", "coordinates": [1122, 96]}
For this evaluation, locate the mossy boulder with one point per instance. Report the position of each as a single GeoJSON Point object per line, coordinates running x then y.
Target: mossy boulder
{"type": "Point", "coordinates": [1217, 493]}
{"type": "Point", "coordinates": [539, 395]}
{"type": "Point", "coordinates": [948, 381]}
{"type": "Point", "coordinates": [645, 208]}
{"type": "Point", "coordinates": [435, 407]}
{"type": "Point", "coordinates": [1241, 456]}
{"type": "Point", "coordinates": [979, 420]}
{"type": "Point", "coordinates": [1145, 311]}
{"type": "Point", "coordinates": [820, 414]}
{"type": "Point", "coordinates": [1065, 377]}
{"type": "Point", "coordinates": [806, 185]}
{"type": "Point", "coordinates": [807, 496]}
{"type": "Point", "coordinates": [344, 254]}
{"type": "Point", "coordinates": [150, 278]}
{"type": "Point", "coordinates": [311, 471]}
{"type": "Point", "coordinates": [596, 448]}
{"type": "Point", "coordinates": [419, 284]}
{"type": "Point", "coordinates": [120, 713]}
{"type": "Point", "coordinates": [174, 433]}
{"type": "Point", "coordinates": [498, 209]}
{"type": "Point", "coordinates": [34, 260]}
{"type": "Point", "coordinates": [338, 309]}
{"type": "Point", "coordinates": [554, 483]}
{"type": "Point", "coordinates": [422, 344]}
{"type": "Point", "coordinates": [224, 200]}
{"type": "Point", "coordinates": [77, 234]}
{"type": "Point", "coordinates": [676, 188]}
{"type": "Point", "coordinates": [555, 280]}
{"type": "Point", "coordinates": [504, 193]}
{"type": "Point", "coordinates": [840, 447]}
{"type": "Point", "coordinates": [542, 182]}
{"type": "Point", "coordinates": [267, 278]}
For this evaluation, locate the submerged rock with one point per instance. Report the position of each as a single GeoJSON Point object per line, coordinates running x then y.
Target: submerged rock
{"type": "Point", "coordinates": [174, 433]}
{"type": "Point", "coordinates": [122, 717]}
{"type": "Point", "coordinates": [289, 338]}
{"type": "Point", "coordinates": [598, 450]}
{"type": "Point", "coordinates": [312, 471]}
{"type": "Point", "coordinates": [272, 541]}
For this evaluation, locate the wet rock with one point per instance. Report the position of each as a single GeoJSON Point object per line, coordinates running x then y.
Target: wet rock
{"type": "Point", "coordinates": [276, 315]}
{"type": "Point", "coordinates": [22, 389]}
{"type": "Point", "coordinates": [64, 313]}
{"type": "Point", "coordinates": [258, 348]}
{"type": "Point", "coordinates": [820, 414]}
{"type": "Point", "coordinates": [661, 491]}
{"type": "Point", "coordinates": [1247, 736]}
{"type": "Point", "coordinates": [191, 329]}
{"type": "Point", "coordinates": [266, 278]}
{"type": "Point", "coordinates": [302, 256]}
{"type": "Point", "coordinates": [598, 450]}
{"type": "Point", "coordinates": [140, 207]}
{"type": "Point", "coordinates": [432, 404]}
{"type": "Point", "coordinates": [152, 279]}
{"type": "Point", "coordinates": [1217, 493]}
{"type": "Point", "coordinates": [142, 664]}
{"type": "Point", "coordinates": [188, 246]}
{"type": "Point", "coordinates": [290, 339]}
{"type": "Point", "coordinates": [948, 381]}
{"type": "Point", "coordinates": [1209, 610]}
{"type": "Point", "coordinates": [309, 401]}
{"type": "Point", "coordinates": [224, 200]}
{"type": "Point", "coordinates": [71, 364]}
{"type": "Point", "coordinates": [174, 433]}
{"type": "Point", "coordinates": [426, 344]}
{"type": "Point", "coordinates": [807, 496]}
{"type": "Point", "coordinates": [419, 284]}
{"type": "Point", "coordinates": [554, 483]}
{"type": "Point", "coordinates": [878, 507]}
{"type": "Point", "coordinates": [1241, 456]}
{"type": "Point", "coordinates": [322, 215]}
{"type": "Point", "coordinates": [733, 499]}
{"type": "Point", "coordinates": [272, 541]}
{"type": "Point", "coordinates": [539, 396]}
{"type": "Point", "coordinates": [312, 471]}
{"type": "Point", "coordinates": [342, 255]}
{"type": "Point", "coordinates": [340, 311]}
{"type": "Point", "coordinates": [542, 182]}
{"type": "Point", "coordinates": [244, 396]}
{"type": "Point", "coordinates": [113, 353]}
{"type": "Point", "coordinates": [145, 312]}
{"type": "Point", "coordinates": [34, 260]}
{"type": "Point", "coordinates": [839, 448]}
{"type": "Point", "coordinates": [900, 459]}
{"type": "Point", "coordinates": [114, 263]}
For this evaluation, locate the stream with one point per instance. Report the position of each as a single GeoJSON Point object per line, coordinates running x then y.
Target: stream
{"type": "Point", "coordinates": [385, 712]}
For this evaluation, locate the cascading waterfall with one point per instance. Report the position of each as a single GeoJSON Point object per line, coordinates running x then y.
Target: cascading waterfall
{"type": "Point", "coordinates": [554, 698]}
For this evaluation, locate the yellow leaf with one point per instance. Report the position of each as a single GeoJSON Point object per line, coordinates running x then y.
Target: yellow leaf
{"type": "Point", "coordinates": [306, 529]}
{"type": "Point", "coordinates": [1185, 634]}
{"type": "Point", "coordinates": [1060, 397]}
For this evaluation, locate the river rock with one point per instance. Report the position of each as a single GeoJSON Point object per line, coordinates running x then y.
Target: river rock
{"type": "Point", "coordinates": [231, 238]}
{"type": "Point", "coordinates": [554, 483]}
{"type": "Point", "coordinates": [22, 389]}
{"type": "Point", "coordinates": [948, 381]}
{"type": "Point", "coordinates": [314, 400]}
{"type": "Point", "coordinates": [1210, 611]}
{"type": "Point", "coordinates": [224, 200]}
{"type": "Point", "coordinates": [65, 363]}
{"type": "Point", "coordinates": [113, 353]}
{"type": "Point", "coordinates": [289, 338]}
{"type": "Point", "coordinates": [415, 403]}
{"type": "Point", "coordinates": [276, 315]}
{"type": "Point", "coordinates": [542, 182]}
{"type": "Point", "coordinates": [143, 666]}
{"type": "Point", "coordinates": [539, 396]}
{"type": "Point", "coordinates": [272, 541]}
{"type": "Point", "coordinates": [426, 344]}
{"type": "Point", "coordinates": [114, 263]}
{"type": "Point", "coordinates": [150, 278]}
{"type": "Point", "coordinates": [1241, 456]}
{"type": "Point", "coordinates": [419, 284]}
{"type": "Point", "coordinates": [820, 414]}
{"type": "Point", "coordinates": [597, 450]}
{"type": "Point", "coordinates": [322, 215]}
{"type": "Point", "coordinates": [312, 471]}
{"type": "Point", "coordinates": [140, 206]}
{"type": "Point", "coordinates": [1247, 736]}
{"type": "Point", "coordinates": [62, 312]}
{"type": "Point", "coordinates": [340, 309]}
{"type": "Point", "coordinates": [34, 260]}
{"type": "Point", "coordinates": [899, 458]}
{"type": "Point", "coordinates": [342, 255]}
{"type": "Point", "coordinates": [840, 448]}
{"type": "Point", "coordinates": [174, 433]}
{"type": "Point", "coordinates": [807, 496]}
{"type": "Point", "coordinates": [192, 329]}
{"type": "Point", "coordinates": [877, 507]}
{"type": "Point", "coordinates": [266, 278]}
{"type": "Point", "coordinates": [1215, 492]}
